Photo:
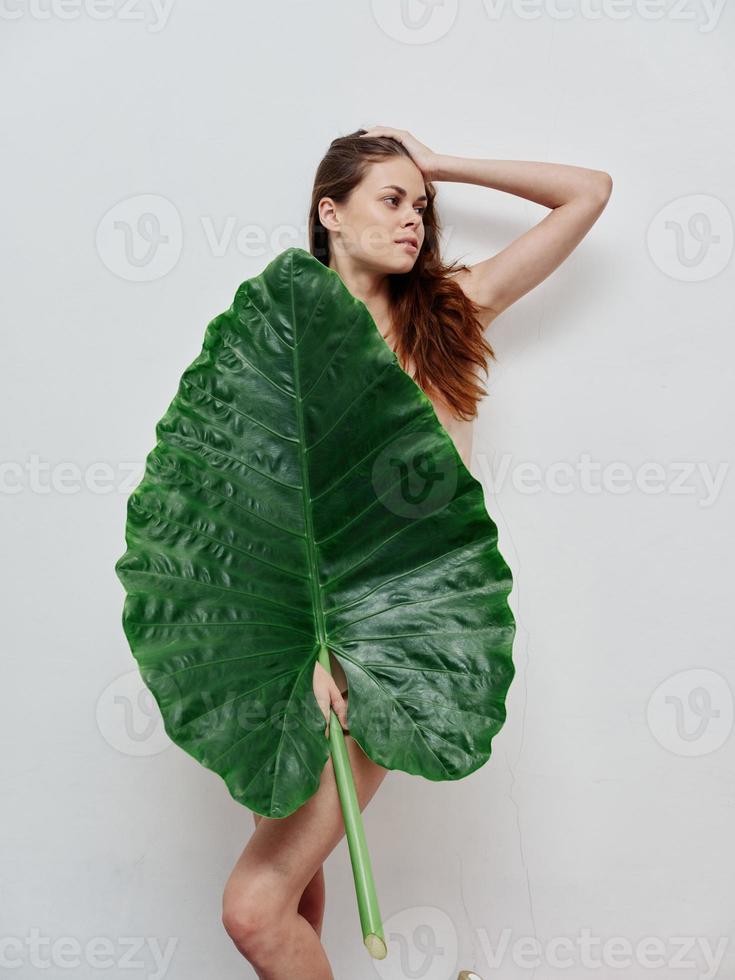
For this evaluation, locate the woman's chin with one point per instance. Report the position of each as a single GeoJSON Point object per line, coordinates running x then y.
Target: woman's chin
{"type": "Point", "coordinates": [404, 263]}
{"type": "Point", "coordinates": [394, 262]}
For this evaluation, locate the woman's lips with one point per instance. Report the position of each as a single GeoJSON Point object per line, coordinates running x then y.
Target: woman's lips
{"type": "Point", "coordinates": [409, 246]}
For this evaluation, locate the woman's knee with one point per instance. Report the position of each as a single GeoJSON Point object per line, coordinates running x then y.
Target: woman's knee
{"type": "Point", "coordinates": [250, 914]}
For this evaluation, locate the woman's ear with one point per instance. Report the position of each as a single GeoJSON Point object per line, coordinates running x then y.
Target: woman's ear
{"type": "Point", "coordinates": [328, 214]}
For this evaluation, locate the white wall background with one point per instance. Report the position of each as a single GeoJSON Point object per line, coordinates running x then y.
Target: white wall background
{"type": "Point", "coordinates": [606, 809]}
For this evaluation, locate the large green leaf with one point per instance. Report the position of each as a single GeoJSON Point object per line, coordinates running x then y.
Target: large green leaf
{"type": "Point", "coordinates": [303, 494]}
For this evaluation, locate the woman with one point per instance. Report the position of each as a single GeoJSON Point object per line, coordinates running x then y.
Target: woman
{"type": "Point", "coordinates": [373, 221]}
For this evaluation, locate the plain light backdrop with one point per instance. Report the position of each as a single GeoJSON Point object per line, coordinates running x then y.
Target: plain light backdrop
{"type": "Point", "coordinates": [605, 813]}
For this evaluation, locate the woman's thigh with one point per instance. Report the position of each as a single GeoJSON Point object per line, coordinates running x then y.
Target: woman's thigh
{"type": "Point", "coordinates": [284, 853]}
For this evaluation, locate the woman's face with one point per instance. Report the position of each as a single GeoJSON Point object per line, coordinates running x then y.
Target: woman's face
{"type": "Point", "coordinates": [387, 205]}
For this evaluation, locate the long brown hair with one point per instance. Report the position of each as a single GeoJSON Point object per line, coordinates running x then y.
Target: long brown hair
{"type": "Point", "coordinates": [435, 321]}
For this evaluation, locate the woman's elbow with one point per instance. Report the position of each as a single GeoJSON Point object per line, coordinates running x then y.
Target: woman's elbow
{"type": "Point", "coordinates": [603, 186]}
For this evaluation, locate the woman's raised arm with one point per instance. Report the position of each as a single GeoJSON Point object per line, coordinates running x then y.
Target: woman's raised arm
{"type": "Point", "coordinates": [577, 197]}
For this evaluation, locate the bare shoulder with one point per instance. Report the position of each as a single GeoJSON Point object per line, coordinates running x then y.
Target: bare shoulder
{"type": "Point", "coordinates": [468, 284]}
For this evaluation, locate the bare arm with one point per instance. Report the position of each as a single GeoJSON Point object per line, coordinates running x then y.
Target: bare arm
{"type": "Point", "coordinates": [577, 197]}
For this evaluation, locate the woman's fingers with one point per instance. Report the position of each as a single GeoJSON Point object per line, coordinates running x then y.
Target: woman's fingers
{"type": "Point", "coordinates": [328, 697]}
{"type": "Point", "coordinates": [340, 708]}
{"type": "Point", "coordinates": [339, 705]}
{"type": "Point", "coordinates": [422, 155]}
{"type": "Point", "coordinates": [396, 134]}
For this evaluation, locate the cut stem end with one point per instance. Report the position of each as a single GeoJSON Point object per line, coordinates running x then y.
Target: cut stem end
{"type": "Point", "coordinates": [375, 946]}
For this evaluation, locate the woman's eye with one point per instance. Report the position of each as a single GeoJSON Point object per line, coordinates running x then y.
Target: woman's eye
{"type": "Point", "coordinates": [418, 207]}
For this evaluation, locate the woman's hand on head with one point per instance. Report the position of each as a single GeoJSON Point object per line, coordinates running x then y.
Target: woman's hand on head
{"type": "Point", "coordinates": [425, 159]}
{"type": "Point", "coordinates": [328, 696]}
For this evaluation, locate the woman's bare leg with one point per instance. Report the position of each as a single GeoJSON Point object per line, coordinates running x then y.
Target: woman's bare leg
{"type": "Point", "coordinates": [260, 906]}
{"type": "Point", "coordinates": [311, 904]}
